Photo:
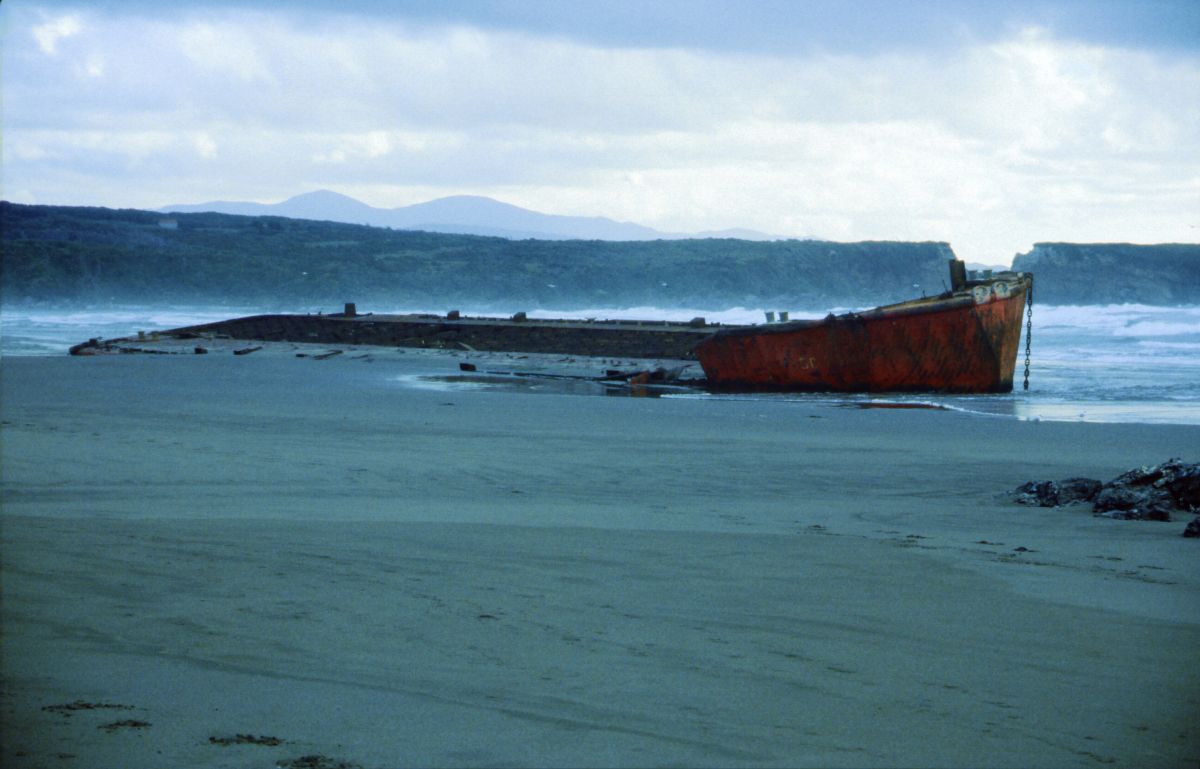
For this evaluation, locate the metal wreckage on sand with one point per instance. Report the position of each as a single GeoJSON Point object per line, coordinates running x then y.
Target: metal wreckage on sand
{"type": "Point", "coordinates": [965, 340]}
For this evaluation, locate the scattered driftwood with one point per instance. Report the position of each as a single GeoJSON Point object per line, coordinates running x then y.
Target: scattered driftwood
{"type": "Point", "coordinates": [113, 347]}
{"type": "Point", "coordinates": [657, 376]}
{"type": "Point", "coordinates": [893, 405]}
{"type": "Point", "coordinates": [92, 346]}
{"type": "Point", "coordinates": [1143, 494]}
{"type": "Point", "coordinates": [247, 350]}
{"type": "Point", "coordinates": [611, 377]}
{"type": "Point", "coordinates": [316, 762]}
{"type": "Point", "coordinates": [127, 724]}
{"type": "Point", "coordinates": [245, 739]}
{"type": "Point", "coordinates": [67, 709]}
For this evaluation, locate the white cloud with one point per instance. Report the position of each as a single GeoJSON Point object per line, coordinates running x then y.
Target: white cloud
{"type": "Point", "coordinates": [991, 146]}
{"type": "Point", "coordinates": [25, 150]}
{"type": "Point", "coordinates": [205, 146]}
{"type": "Point", "coordinates": [224, 50]}
{"type": "Point", "coordinates": [48, 34]}
{"type": "Point", "coordinates": [373, 145]}
{"type": "Point", "coordinates": [94, 66]}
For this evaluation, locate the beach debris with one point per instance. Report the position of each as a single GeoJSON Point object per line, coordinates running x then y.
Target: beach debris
{"type": "Point", "coordinates": [327, 355]}
{"type": "Point", "coordinates": [1193, 528]}
{"type": "Point", "coordinates": [893, 405]}
{"type": "Point", "coordinates": [126, 724]}
{"type": "Point", "coordinates": [113, 347]}
{"type": "Point", "coordinates": [67, 709]}
{"type": "Point", "coordinates": [201, 350]}
{"type": "Point", "coordinates": [636, 381]}
{"type": "Point", "coordinates": [659, 375]}
{"type": "Point", "coordinates": [247, 350]}
{"type": "Point", "coordinates": [316, 762]}
{"type": "Point", "coordinates": [1142, 494]}
{"type": "Point", "coordinates": [90, 347]}
{"type": "Point", "coordinates": [245, 739]}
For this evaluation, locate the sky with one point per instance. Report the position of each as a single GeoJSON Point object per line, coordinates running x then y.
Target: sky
{"type": "Point", "coordinates": [990, 125]}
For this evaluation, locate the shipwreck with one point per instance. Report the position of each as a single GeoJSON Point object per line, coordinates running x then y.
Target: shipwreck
{"type": "Point", "coordinates": [965, 340]}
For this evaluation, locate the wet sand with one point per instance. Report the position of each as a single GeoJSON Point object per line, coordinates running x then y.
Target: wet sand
{"type": "Point", "coordinates": [357, 559]}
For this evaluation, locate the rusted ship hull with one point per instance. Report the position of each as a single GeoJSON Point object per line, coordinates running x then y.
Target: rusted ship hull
{"type": "Point", "coordinates": [965, 341]}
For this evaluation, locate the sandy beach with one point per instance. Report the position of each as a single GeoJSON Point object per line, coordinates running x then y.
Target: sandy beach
{"type": "Point", "coordinates": [266, 560]}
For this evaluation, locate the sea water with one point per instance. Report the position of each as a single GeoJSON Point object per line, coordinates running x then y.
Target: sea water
{"type": "Point", "coordinates": [1111, 363]}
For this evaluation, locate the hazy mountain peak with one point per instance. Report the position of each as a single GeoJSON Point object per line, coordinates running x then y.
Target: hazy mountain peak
{"type": "Point", "coordinates": [323, 196]}
{"type": "Point", "coordinates": [465, 214]}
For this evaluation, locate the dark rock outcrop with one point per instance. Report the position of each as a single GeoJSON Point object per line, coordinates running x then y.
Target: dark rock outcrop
{"type": "Point", "coordinates": [1073, 490]}
{"type": "Point", "coordinates": [1143, 494]}
{"type": "Point", "coordinates": [1193, 528]}
{"type": "Point", "coordinates": [1134, 504]}
{"type": "Point", "coordinates": [1037, 493]}
{"type": "Point", "coordinates": [1055, 493]}
{"type": "Point", "coordinates": [1184, 485]}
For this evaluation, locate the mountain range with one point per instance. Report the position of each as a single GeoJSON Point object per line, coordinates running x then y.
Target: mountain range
{"type": "Point", "coordinates": [459, 214]}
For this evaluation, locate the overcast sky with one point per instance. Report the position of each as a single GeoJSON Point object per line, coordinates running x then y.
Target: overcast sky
{"type": "Point", "coordinates": [991, 125]}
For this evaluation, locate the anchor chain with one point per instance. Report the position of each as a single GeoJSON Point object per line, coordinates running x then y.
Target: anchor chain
{"type": "Point", "coordinates": [1028, 330]}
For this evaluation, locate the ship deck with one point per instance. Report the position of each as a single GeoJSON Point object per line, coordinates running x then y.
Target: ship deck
{"type": "Point", "coordinates": [586, 337]}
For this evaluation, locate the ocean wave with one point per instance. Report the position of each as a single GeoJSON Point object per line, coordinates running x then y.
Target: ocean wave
{"type": "Point", "coordinates": [1130, 320]}
{"type": "Point", "coordinates": [1190, 347]}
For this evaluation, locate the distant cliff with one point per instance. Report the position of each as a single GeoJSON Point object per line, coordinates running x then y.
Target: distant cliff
{"type": "Point", "coordinates": [56, 253]}
{"type": "Point", "coordinates": [1113, 273]}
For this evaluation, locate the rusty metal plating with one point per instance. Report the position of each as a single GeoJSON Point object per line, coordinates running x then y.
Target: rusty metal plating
{"type": "Point", "coordinates": [1028, 329]}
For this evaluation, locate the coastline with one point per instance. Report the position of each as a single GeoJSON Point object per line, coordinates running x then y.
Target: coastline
{"type": "Point", "coordinates": [387, 574]}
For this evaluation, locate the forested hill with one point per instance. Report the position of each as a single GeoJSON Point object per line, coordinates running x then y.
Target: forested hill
{"type": "Point", "coordinates": [55, 254]}
{"type": "Point", "coordinates": [1114, 273]}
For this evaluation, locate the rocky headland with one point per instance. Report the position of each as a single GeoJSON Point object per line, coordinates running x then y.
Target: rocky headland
{"type": "Point", "coordinates": [1167, 274]}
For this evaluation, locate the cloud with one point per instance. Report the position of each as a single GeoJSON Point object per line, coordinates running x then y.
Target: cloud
{"type": "Point", "coordinates": [205, 146]}
{"type": "Point", "coordinates": [48, 34]}
{"type": "Point", "coordinates": [224, 51]}
{"type": "Point", "coordinates": [991, 145]}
